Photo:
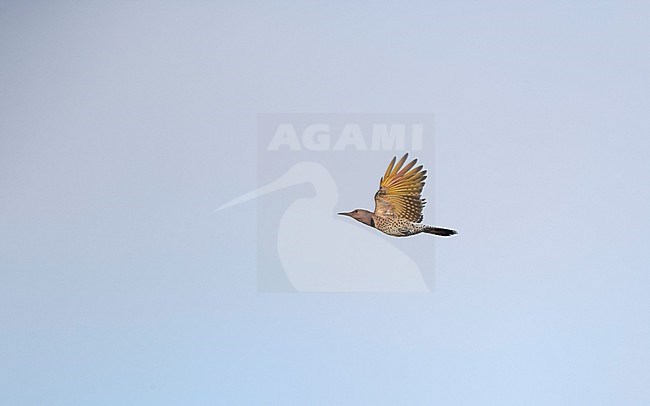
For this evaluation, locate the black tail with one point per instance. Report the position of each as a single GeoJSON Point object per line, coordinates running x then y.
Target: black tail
{"type": "Point", "coordinates": [445, 232]}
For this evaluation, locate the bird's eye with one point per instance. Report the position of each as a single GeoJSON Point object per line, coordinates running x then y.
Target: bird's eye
{"type": "Point", "coordinates": [355, 211]}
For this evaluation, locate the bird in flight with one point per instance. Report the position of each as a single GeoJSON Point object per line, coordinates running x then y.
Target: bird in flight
{"type": "Point", "coordinates": [398, 203]}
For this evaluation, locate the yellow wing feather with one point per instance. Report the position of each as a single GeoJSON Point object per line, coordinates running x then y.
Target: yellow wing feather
{"type": "Point", "coordinates": [400, 191]}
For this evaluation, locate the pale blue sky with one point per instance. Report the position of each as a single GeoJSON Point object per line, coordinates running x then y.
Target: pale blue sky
{"type": "Point", "coordinates": [123, 125]}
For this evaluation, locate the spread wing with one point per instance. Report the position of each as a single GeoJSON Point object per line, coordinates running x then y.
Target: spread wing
{"type": "Point", "coordinates": [400, 191]}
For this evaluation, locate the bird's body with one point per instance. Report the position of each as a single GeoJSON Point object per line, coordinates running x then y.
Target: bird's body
{"type": "Point", "coordinates": [399, 227]}
{"type": "Point", "coordinates": [398, 203]}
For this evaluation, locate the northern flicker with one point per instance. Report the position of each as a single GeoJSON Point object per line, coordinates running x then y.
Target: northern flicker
{"type": "Point", "coordinates": [398, 203]}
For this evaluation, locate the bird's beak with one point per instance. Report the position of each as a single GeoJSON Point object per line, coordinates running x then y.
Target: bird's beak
{"type": "Point", "coordinates": [344, 214]}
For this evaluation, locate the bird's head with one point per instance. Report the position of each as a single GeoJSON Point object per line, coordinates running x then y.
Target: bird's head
{"type": "Point", "coordinates": [360, 215]}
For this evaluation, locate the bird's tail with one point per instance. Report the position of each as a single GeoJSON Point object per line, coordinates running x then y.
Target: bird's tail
{"type": "Point", "coordinates": [445, 232]}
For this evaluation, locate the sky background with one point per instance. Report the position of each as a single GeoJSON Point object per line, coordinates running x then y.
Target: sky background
{"type": "Point", "coordinates": [123, 125]}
